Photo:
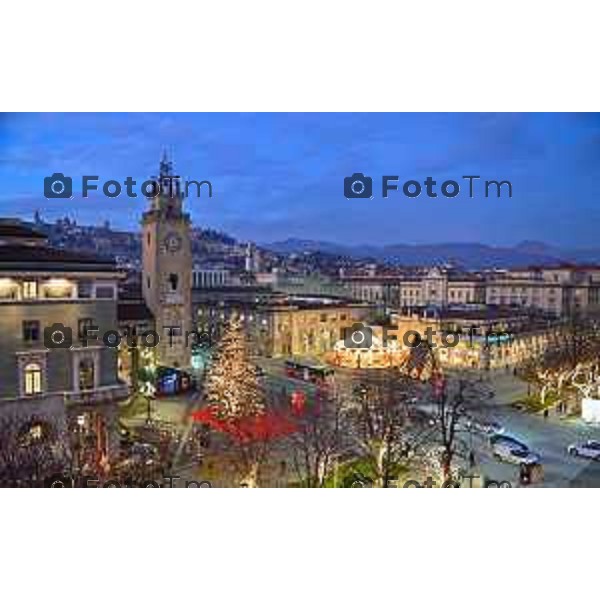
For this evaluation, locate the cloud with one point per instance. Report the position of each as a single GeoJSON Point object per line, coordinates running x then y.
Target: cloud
{"type": "Point", "coordinates": [277, 175]}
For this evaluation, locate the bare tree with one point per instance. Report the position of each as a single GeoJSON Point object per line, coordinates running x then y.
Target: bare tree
{"type": "Point", "coordinates": [318, 442]}
{"type": "Point", "coordinates": [31, 450]}
{"type": "Point", "coordinates": [247, 458]}
{"type": "Point", "coordinates": [379, 415]}
{"type": "Point", "coordinates": [575, 340]}
{"type": "Point", "coordinates": [456, 403]}
{"type": "Point", "coordinates": [573, 349]}
{"type": "Point", "coordinates": [450, 415]}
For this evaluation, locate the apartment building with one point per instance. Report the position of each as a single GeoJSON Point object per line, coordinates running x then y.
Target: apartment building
{"type": "Point", "coordinates": [561, 291]}
{"type": "Point", "coordinates": [48, 296]}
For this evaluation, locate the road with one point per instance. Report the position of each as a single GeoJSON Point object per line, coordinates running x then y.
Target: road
{"type": "Point", "coordinates": [548, 437]}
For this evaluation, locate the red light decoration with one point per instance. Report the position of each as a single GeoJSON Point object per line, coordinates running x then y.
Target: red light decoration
{"type": "Point", "coordinates": [298, 401]}
{"type": "Point", "coordinates": [264, 427]}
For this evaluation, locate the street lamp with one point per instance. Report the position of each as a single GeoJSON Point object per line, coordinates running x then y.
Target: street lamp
{"type": "Point", "coordinates": [148, 390]}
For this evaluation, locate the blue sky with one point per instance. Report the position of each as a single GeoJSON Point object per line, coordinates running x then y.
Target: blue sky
{"type": "Point", "coordinates": [280, 175]}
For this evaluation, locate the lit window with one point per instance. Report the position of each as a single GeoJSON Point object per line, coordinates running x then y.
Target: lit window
{"type": "Point", "coordinates": [29, 290]}
{"type": "Point", "coordinates": [33, 379]}
{"type": "Point", "coordinates": [8, 289]}
{"type": "Point", "coordinates": [57, 288]}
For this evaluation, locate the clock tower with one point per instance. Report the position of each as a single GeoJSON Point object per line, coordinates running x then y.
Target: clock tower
{"type": "Point", "coordinates": [167, 268]}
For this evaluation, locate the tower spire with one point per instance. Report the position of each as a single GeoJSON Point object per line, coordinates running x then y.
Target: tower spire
{"type": "Point", "coordinates": [166, 165]}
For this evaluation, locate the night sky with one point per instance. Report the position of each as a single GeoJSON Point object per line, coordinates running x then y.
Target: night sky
{"type": "Point", "coordinates": [281, 175]}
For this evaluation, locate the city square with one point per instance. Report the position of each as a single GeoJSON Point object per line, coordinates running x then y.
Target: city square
{"type": "Point", "coordinates": [244, 266]}
{"type": "Point", "coordinates": [177, 351]}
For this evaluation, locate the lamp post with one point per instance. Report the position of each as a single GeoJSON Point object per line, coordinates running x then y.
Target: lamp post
{"type": "Point", "coordinates": [148, 380]}
{"type": "Point", "coordinates": [149, 390]}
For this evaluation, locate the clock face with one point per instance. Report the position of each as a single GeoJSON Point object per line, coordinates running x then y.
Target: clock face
{"type": "Point", "coordinates": [173, 242]}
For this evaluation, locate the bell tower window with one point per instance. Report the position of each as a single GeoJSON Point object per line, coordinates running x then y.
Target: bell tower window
{"type": "Point", "coordinates": [173, 281]}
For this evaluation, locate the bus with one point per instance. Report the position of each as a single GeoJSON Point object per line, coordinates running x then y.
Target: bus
{"type": "Point", "coordinates": [317, 374]}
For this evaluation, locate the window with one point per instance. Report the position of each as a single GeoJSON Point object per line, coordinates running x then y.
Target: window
{"type": "Point", "coordinates": [86, 374]}
{"type": "Point", "coordinates": [31, 331]}
{"type": "Point", "coordinates": [173, 281]}
{"type": "Point", "coordinates": [105, 292]}
{"type": "Point", "coordinates": [33, 379]}
{"type": "Point", "coordinates": [29, 290]}
{"type": "Point", "coordinates": [84, 289]}
{"type": "Point", "coordinates": [148, 281]}
{"type": "Point", "coordinates": [58, 288]}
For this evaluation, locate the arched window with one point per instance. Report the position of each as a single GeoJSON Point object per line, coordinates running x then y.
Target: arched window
{"type": "Point", "coordinates": [173, 281]}
{"type": "Point", "coordinates": [86, 374]}
{"type": "Point", "coordinates": [33, 379]}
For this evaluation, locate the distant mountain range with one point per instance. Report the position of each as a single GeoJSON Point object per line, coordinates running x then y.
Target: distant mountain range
{"type": "Point", "coordinates": [467, 255]}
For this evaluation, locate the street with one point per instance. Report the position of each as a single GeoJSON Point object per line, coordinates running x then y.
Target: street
{"type": "Point", "coordinates": [548, 437]}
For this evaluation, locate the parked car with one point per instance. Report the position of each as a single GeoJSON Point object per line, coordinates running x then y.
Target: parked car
{"type": "Point", "coordinates": [513, 451]}
{"type": "Point", "coordinates": [589, 449]}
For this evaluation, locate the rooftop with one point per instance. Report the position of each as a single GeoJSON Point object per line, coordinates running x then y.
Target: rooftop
{"type": "Point", "coordinates": [13, 228]}
{"type": "Point", "coordinates": [134, 311]}
{"type": "Point", "coordinates": [16, 257]}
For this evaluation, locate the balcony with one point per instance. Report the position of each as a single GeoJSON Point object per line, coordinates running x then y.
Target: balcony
{"type": "Point", "coordinates": [101, 395]}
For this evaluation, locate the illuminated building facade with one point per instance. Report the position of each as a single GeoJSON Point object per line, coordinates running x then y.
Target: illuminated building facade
{"type": "Point", "coordinates": [558, 291]}
{"type": "Point", "coordinates": [71, 386]}
{"type": "Point", "coordinates": [279, 324]}
{"type": "Point", "coordinates": [441, 287]}
{"type": "Point", "coordinates": [480, 337]}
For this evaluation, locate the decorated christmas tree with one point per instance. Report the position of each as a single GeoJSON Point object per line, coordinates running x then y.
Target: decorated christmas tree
{"type": "Point", "coordinates": [232, 388]}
